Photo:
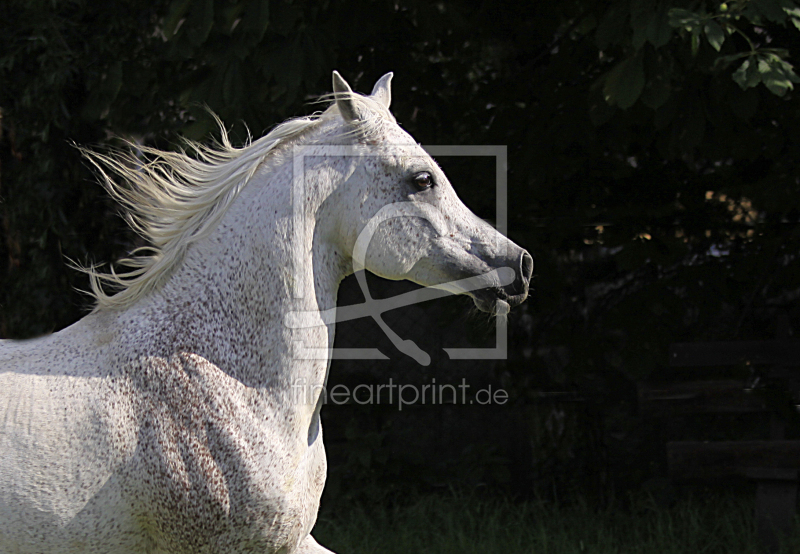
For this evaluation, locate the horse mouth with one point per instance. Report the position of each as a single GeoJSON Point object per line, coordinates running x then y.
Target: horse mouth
{"type": "Point", "coordinates": [499, 299]}
{"type": "Point", "coordinates": [496, 301]}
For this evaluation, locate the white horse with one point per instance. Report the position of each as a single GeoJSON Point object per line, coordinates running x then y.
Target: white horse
{"type": "Point", "coordinates": [165, 421]}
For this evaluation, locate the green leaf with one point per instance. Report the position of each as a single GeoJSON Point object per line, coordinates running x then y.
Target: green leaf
{"type": "Point", "coordinates": [684, 19]}
{"type": "Point", "coordinates": [747, 75]}
{"type": "Point", "coordinates": [256, 17]}
{"type": "Point", "coordinates": [782, 53]}
{"type": "Point", "coordinates": [794, 15]}
{"type": "Point", "coordinates": [642, 13]}
{"type": "Point", "coordinates": [724, 61]}
{"type": "Point", "coordinates": [176, 12]}
{"type": "Point", "coordinates": [625, 82]}
{"type": "Point", "coordinates": [788, 69]}
{"type": "Point", "coordinates": [611, 27]}
{"type": "Point", "coordinates": [199, 21]}
{"type": "Point", "coordinates": [229, 18]}
{"type": "Point", "coordinates": [777, 74]}
{"type": "Point", "coordinates": [639, 36]}
{"type": "Point", "coordinates": [740, 75]}
{"type": "Point", "coordinates": [659, 31]}
{"type": "Point", "coordinates": [770, 9]}
{"type": "Point", "coordinates": [695, 43]}
{"type": "Point", "coordinates": [753, 75]}
{"type": "Point", "coordinates": [714, 34]}
{"type": "Point", "coordinates": [777, 86]}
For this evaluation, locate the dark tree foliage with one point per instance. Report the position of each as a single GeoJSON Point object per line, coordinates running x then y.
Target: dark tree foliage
{"type": "Point", "coordinates": [652, 145]}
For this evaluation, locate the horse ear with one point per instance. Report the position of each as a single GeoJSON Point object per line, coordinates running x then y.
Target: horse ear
{"type": "Point", "coordinates": [344, 98]}
{"type": "Point", "coordinates": [382, 91]}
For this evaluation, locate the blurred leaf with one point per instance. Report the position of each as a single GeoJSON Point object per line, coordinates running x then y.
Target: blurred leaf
{"type": "Point", "coordinates": [770, 9]}
{"type": "Point", "coordinates": [724, 61]}
{"type": "Point", "coordinates": [695, 43]}
{"type": "Point", "coordinates": [229, 18]}
{"type": "Point", "coordinates": [199, 21]}
{"type": "Point", "coordinates": [611, 27]}
{"type": "Point", "coordinates": [777, 74]}
{"type": "Point", "coordinates": [714, 34]}
{"type": "Point", "coordinates": [176, 12]}
{"type": "Point", "coordinates": [625, 82]}
{"type": "Point", "coordinates": [256, 17]}
{"type": "Point", "coordinates": [659, 31]}
{"type": "Point", "coordinates": [684, 19]}
{"type": "Point", "coordinates": [747, 76]}
{"type": "Point", "coordinates": [794, 15]}
{"type": "Point", "coordinates": [643, 12]}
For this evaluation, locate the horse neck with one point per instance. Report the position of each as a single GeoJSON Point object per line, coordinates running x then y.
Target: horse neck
{"type": "Point", "coordinates": [229, 298]}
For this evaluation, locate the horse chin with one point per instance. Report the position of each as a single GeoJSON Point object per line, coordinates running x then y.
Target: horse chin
{"type": "Point", "coordinates": [497, 302]}
{"type": "Point", "coordinates": [491, 304]}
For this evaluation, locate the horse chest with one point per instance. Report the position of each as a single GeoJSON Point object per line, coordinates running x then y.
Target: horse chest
{"type": "Point", "coordinates": [218, 466]}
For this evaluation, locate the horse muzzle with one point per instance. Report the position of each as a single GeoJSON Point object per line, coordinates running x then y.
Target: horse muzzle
{"type": "Point", "coordinates": [500, 300]}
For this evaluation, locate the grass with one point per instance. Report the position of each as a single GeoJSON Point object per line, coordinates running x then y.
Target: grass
{"type": "Point", "coordinates": [460, 525]}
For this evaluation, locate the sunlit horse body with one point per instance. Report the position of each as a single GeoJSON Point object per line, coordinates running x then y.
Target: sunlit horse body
{"type": "Point", "coordinates": [165, 421]}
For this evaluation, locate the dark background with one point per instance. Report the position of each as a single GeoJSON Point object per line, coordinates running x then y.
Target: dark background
{"type": "Point", "coordinates": [652, 173]}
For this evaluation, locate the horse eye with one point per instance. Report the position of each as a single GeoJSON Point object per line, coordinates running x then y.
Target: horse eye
{"type": "Point", "coordinates": [423, 180]}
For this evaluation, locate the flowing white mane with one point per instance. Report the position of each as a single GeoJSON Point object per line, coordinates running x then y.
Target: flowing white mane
{"type": "Point", "coordinates": [173, 199]}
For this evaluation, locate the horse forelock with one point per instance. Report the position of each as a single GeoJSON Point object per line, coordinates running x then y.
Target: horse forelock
{"type": "Point", "coordinates": [172, 199]}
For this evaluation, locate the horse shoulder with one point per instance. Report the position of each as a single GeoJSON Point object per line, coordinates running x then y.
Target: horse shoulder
{"type": "Point", "coordinates": [66, 429]}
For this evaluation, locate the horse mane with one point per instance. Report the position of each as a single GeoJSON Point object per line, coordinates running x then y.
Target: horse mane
{"type": "Point", "coordinates": [172, 199]}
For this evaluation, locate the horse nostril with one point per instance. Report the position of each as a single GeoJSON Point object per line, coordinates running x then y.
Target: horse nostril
{"type": "Point", "coordinates": [526, 267]}
{"type": "Point", "coordinates": [519, 288]}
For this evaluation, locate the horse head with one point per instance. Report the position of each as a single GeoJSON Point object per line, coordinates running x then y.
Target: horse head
{"type": "Point", "coordinates": [403, 219]}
